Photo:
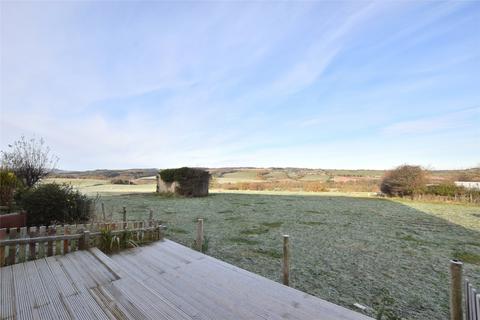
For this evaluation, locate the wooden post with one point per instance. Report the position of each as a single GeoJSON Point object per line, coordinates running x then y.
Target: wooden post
{"type": "Point", "coordinates": [150, 218]}
{"type": "Point", "coordinates": [132, 225]}
{"type": "Point", "coordinates": [65, 242]}
{"type": "Point", "coordinates": [12, 249]}
{"type": "Point", "coordinates": [81, 243]}
{"type": "Point", "coordinates": [456, 312]}
{"type": "Point", "coordinates": [142, 232]}
{"type": "Point", "coordinates": [124, 218]}
{"type": "Point", "coordinates": [470, 294]}
{"type": "Point", "coordinates": [286, 261]}
{"type": "Point", "coordinates": [3, 236]}
{"type": "Point", "coordinates": [103, 212]}
{"type": "Point", "coordinates": [32, 232]}
{"type": "Point", "coordinates": [148, 233]}
{"type": "Point", "coordinates": [200, 234]}
{"type": "Point", "coordinates": [41, 245]}
{"type": "Point", "coordinates": [57, 244]}
{"type": "Point", "coordinates": [51, 232]}
{"type": "Point", "coordinates": [84, 243]}
{"type": "Point", "coordinates": [477, 303]}
{"type": "Point", "coordinates": [22, 247]}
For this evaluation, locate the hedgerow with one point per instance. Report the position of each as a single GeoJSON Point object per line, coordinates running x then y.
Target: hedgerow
{"type": "Point", "coordinates": [404, 181]}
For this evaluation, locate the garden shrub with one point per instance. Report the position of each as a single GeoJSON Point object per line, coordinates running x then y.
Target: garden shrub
{"type": "Point", "coordinates": [8, 183]}
{"type": "Point", "coordinates": [121, 181]}
{"type": "Point", "coordinates": [54, 203]}
{"type": "Point", "coordinates": [404, 181]}
{"type": "Point", "coordinates": [110, 243]}
{"type": "Point", "coordinates": [445, 189]}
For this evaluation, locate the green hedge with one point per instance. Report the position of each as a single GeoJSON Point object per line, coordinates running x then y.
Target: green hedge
{"type": "Point", "coordinates": [55, 204]}
{"type": "Point", "coordinates": [450, 190]}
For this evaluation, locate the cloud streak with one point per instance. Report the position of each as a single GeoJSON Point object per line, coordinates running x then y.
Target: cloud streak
{"type": "Point", "coordinates": [165, 84]}
{"type": "Point", "coordinates": [468, 118]}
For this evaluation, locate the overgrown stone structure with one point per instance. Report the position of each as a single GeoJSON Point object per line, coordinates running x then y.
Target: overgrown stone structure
{"type": "Point", "coordinates": [190, 182]}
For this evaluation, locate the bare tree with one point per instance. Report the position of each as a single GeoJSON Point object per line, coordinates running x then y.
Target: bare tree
{"type": "Point", "coordinates": [29, 159]}
{"type": "Point", "coordinates": [404, 181]}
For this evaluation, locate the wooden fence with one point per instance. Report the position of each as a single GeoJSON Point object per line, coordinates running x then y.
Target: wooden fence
{"type": "Point", "coordinates": [472, 302]}
{"type": "Point", "coordinates": [22, 244]}
{"type": "Point", "coordinates": [466, 198]}
{"type": "Point", "coordinates": [471, 299]}
{"type": "Point", "coordinates": [13, 220]}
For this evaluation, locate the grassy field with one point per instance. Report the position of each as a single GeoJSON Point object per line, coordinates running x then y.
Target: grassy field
{"type": "Point", "coordinates": [345, 249]}
{"type": "Point", "coordinates": [276, 179]}
{"type": "Point", "coordinates": [103, 187]}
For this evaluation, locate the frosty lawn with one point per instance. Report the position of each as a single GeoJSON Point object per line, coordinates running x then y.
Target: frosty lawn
{"type": "Point", "coordinates": [344, 249]}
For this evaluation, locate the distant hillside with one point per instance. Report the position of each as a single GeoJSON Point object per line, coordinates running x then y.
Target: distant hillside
{"type": "Point", "coordinates": [106, 174]}
{"type": "Point", "coordinates": [249, 178]}
{"type": "Point", "coordinates": [272, 173]}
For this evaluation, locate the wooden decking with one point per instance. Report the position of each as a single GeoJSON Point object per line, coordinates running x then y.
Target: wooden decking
{"type": "Point", "coordinates": [161, 281]}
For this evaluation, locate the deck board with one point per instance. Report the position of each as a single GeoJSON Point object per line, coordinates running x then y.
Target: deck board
{"type": "Point", "coordinates": [7, 293]}
{"type": "Point", "coordinates": [164, 280]}
{"type": "Point", "coordinates": [48, 283]}
{"type": "Point", "coordinates": [219, 290]}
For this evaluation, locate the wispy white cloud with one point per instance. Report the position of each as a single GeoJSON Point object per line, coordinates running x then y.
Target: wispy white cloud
{"type": "Point", "coordinates": [455, 120]}
{"type": "Point", "coordinates": [318, 57]}
{"type": "Point", "coordinates": [164, 84]}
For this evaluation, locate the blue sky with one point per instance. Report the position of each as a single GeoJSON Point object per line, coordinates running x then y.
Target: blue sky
{"type": "Point", "coordinates": [302, 84]}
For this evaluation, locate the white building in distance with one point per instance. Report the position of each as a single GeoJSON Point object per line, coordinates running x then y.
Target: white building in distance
{"type": "Point", "coordinates": [468, 184]}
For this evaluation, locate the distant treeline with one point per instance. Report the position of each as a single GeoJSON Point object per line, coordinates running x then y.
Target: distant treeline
{"type": "Point", "coordinates": [298, 185]}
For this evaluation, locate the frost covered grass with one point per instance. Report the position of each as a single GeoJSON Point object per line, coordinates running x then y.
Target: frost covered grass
{"type": "Point", "coordinates": [344, 249]}
{"type": "Point", "coordinates": [103, 187]}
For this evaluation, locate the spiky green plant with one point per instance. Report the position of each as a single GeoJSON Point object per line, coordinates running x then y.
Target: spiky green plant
{"type": "Point", "coordinates": [108, 241]}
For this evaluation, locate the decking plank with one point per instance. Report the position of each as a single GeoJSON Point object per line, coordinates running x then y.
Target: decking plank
{"type": "Point", "coordinates": [181, 301]}
{"type": "Point", "coordinates": [208, 290]}
{"type": "Point", "coordinates": [90, 269]}
{"type": "Point", "coordinates": [65, 285]}
{"type": "Point", "coordinates": [180, 288]}
{"type": "Point", "coordinates": [49, 285]}
{"type": "Point", "coordinates": [147, 270]}
{"type": "Point", "coordinates": [105, 260]}
{"type": "Point", "coordinates": [202, 272]}
{"type": "Point", "coordinates": [38, 296]}
{"type": "Point", "coordinates": [165, 281]}
{"type": "Point", "coordinates": [84, 302]}
{"type": "Point", "coordinates": [7, 290]}
{"type": "Point", "coordinates": [243, 299]}
{"type": "Point", "coordinates": [23, 301]}
{"type": "Point", "coordinates": [314, 304]}
{"type": "Point", "coordinates": [212, 310]}
{"type": "Point", "coordinates": [149, 300]}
